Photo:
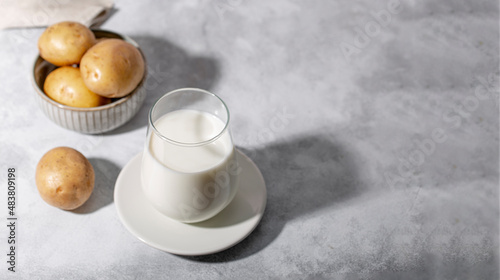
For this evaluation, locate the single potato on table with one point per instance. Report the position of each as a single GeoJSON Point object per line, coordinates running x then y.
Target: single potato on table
{"type": "Point", "coordinates": [65, 85]}
{"type": "Point", "coordinates": [112, 68]}
{"type": "Point", "coordinates": [64, 178]}
{"type": "Point", "coordinates": [65, 43]}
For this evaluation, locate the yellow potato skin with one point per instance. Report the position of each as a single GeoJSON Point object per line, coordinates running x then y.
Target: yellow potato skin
{"type": "Point", "coordinates": [112, 68]}
{"type": "Point", "coordinates": [64, 178]}
{"type": "Point", "coordinates": [65, 85]}
{"type": "Point", "coordinates": [64, 43]}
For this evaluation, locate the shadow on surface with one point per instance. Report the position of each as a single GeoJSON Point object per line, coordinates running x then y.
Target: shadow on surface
{"type": "Point", "coordinates": [103, 17]}
{"type": "Point", "coordinates": [106, 173]}
{"type": "Point", "coordinates": [169, 67]}
{"type": "Point", "coordinates": [302, 176]}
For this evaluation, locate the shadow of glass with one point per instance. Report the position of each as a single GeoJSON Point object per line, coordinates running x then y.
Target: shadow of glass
{"type": "Point", "coordinates": [168, 68]}
{"type": "Point", "coordinates": [232, 215]}
{"type": "Point", "coordinates": [106, 173]}
{"type": "Point", "coordinates": [302, 176]}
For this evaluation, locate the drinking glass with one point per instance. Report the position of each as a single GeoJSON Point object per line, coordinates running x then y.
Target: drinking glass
{"type": "Point", "coordinates": [189, 167]}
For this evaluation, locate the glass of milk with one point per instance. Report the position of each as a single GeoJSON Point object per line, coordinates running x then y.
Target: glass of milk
{"type": "Point", "coordinates": [189, 170]}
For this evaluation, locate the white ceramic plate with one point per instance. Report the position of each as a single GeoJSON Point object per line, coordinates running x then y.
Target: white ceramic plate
{"type": "Point", "coordinates": [224, 230]}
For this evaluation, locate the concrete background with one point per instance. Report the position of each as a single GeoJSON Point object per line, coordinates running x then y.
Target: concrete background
{"type": "Point", "coordinates": [376, 127]}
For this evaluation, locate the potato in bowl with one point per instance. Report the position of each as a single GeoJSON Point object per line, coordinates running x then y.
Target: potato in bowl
{"type": "Point", "coordinates": [65, 85]}
{"type": "Point", "coordinates": [112, 68]}
{"type": "Point", "coordinates": [65, 43]}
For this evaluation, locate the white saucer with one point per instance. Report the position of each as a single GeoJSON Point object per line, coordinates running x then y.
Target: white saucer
{"type": "Point", "coordinates": [226, 229]}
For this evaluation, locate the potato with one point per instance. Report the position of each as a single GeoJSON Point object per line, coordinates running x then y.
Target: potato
{"type": "Point", "coordinates": [65, 43]}
{"type": "Point", "coordinates": [65, 85]}
{"type": "Point", "coordinates": [64, 178]}
{"type": "Point", "coordinates": [112, 68]}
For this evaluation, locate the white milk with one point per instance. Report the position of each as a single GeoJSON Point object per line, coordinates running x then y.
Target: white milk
{"type": "Point", "coordinates": [189, 183]}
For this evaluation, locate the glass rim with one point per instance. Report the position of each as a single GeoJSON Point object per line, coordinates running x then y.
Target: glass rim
{"type": "Point", "coordinates": [188, 144]}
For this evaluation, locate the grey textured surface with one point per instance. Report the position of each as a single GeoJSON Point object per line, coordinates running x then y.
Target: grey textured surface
{"type": "Point", "coordinates": [380, 163]}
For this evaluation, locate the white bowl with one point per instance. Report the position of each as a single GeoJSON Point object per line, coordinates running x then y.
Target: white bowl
{"type": "Point", "coordinates": [88, 120]}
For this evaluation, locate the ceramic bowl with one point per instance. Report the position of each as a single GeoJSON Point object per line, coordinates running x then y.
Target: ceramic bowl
{"type": "Point", "coordinates": [88, 120]}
